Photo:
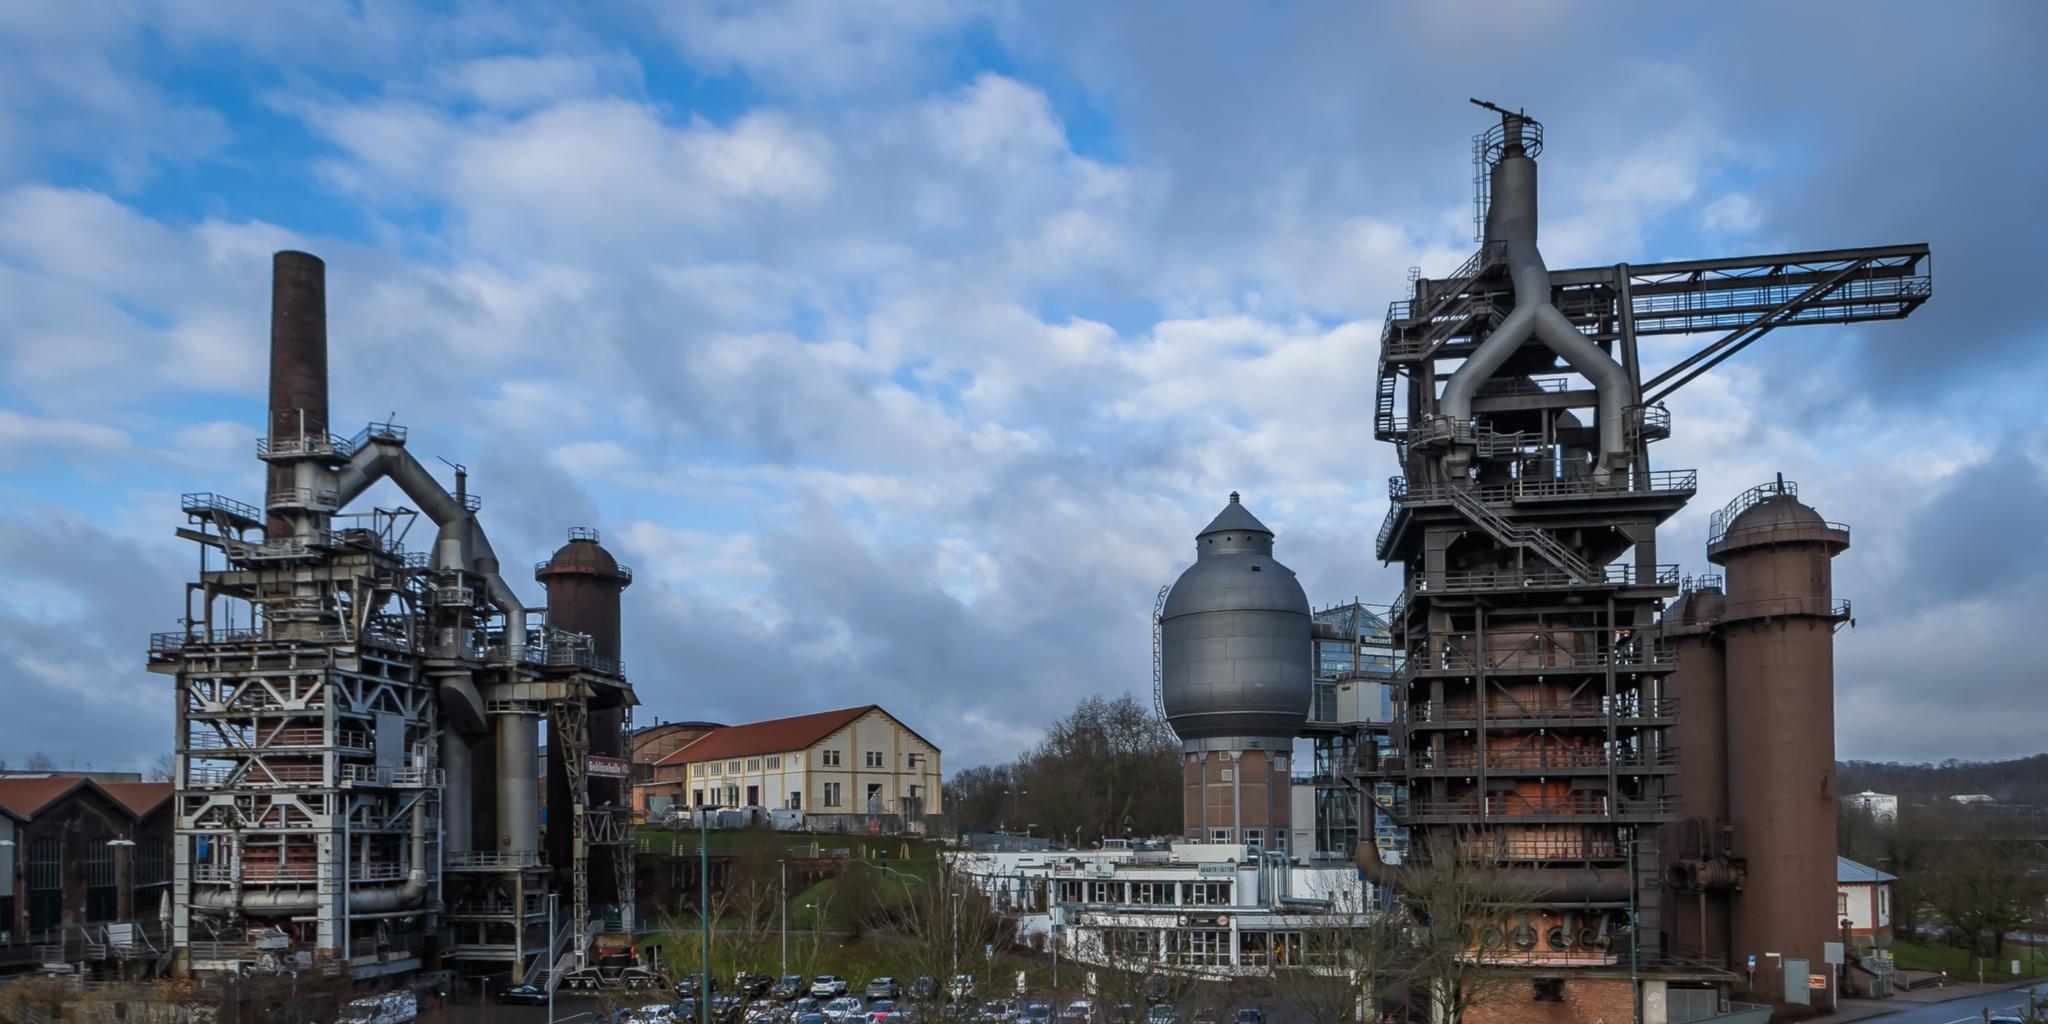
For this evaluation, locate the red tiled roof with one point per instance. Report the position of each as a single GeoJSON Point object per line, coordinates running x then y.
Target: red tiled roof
{"type": "Point", "coordinates": [139, 797]}
{"type": "Point", "coordinates": [775, 736]}
{"type": "Point", "coordinates": [24, 797]}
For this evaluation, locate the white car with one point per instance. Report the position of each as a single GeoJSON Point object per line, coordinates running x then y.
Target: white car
{"type": "Point", "coordinates": [389, 1008]}
{"type": "Point", "coordinates": [843, 1009]}
{"type": "Point", "coordinates": [652, 1013]}
{"type": "Point", "coordinates": [827, 986]}
{"type": "Point", "coordinates": [961, 988]}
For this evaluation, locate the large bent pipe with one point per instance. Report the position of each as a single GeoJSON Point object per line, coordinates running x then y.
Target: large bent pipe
{"type": "Point", "coordinates": [361, 900]}
{"type": "Point", "coordinates": [1511, 224]}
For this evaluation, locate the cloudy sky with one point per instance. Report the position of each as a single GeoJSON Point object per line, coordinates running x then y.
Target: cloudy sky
{"type": "Point", "coordinates": [902, 346]}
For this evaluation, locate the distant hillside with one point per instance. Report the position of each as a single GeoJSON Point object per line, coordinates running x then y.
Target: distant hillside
{"type": "Point", "coordinates": [2023, 781]}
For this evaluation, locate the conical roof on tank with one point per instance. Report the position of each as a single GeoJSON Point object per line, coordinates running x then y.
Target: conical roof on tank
{"type": "Point", "coordinates": [1777, 510]}
{"type": "Point", "coordinates": [1694, 610]}
{"type": "Point", "coordinates": [1235, 658]}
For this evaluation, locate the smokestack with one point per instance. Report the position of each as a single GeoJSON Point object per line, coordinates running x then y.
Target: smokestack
{"type": "Point", "coordinates": [298, 363]}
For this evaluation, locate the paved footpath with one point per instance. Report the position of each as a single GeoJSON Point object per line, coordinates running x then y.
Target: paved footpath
{"type": "Point", "coordinates": [1956, 1004]}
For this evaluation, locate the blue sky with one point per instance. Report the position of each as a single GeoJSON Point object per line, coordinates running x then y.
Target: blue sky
{"type": "Point", "coordinates": [903, 346]}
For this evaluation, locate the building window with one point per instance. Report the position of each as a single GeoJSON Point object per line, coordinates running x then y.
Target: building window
{"type": "Point", "coordinates": [150, 866]}
{"type": "Point", "coordinates": [831, 794]}
{"type": "Point", "coordinates": [102, 893]}
{"type": "Point", "coordinates": [697, 770]}
{"type": "Point", "coordinates": [718, 769]}
{"type": "Point", "coordinates": [796, 800]}
{"type": "Point", "coordinates": [696, 798]}
{"type": "Point", "coordinates": [775, 760]}
{"type": "Point", "coordinates": [828, 758]}
{"type": "Point", "coordinates": [45, 884]}
{"type": "Point", "coordinates": [916, 760]}
{"type": "Point", "coordinates": [733, 766]}
{"type": "Point", "coordinates": [753, 764]}
{"type": "Point", "coordinates": [874, 758]}
{"type": "Point", "coordinates": [1254, 837]}
{"type": "Point", "coordinates": [1841, 905]}
{"type": "Point", "coordinates": [1219, 835]}
{"type": "Point", "coordinates": [1227, 775]}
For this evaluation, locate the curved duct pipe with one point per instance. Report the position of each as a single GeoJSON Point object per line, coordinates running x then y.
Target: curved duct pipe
{"type": "Point", "coordinates": [1549, 885]}
{"type": "Point", "coordinates": [1511, 224]}
{"type": "Point", "coordinates": [410, 893]}
{"type": "Point", "coordinates": [460, 542]}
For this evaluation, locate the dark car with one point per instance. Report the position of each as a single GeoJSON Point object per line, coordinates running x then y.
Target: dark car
{"type": "Point", "coordinates": [1157, 989]}
{"type": "Point", "coordinates": [1248, 1015]}
{"type": "Point", "coordinates": [1036, 1013]}
{"type": "Point", "coordinates": [751, 985]}
{"type": "Point", "coordinates": [687, 987]}
{"type": "Point", "coordinates": [787, 987]}
{"type": "Point", "coordinates": [924, 987]}
{"type": "Point", "coordinates": [532, 995]}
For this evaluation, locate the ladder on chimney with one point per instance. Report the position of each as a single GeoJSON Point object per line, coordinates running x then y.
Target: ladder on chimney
{"type": "Point", "coordinates": [1516, 535]}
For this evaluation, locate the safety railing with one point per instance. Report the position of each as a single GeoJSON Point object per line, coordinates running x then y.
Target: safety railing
{"type": "Point", "coordinates": [395, 777]}
{"type": "Point", "coordinates": [471, 502]}
{"type": "Point", "coordinates": [1547, 759]}
{"type": "Point", "coordinates": [320, 498]}
{"type": "Point", "coordinates": [391, 432]}
{"type": "Point", "coordinates": [1657, 481]}
{"type": "Point", "coordinates": [1565, 806]}
{"type": "Point", "coordinates": [493, 860]}
{"type": "Point", "coordinates": [1618, 575]}
{"type": "Point", "coordinates": [1503, 710]}
{"type": "Point", "coordinates": [207, 503]}
{"type": "Point", "coordinates": [1540, 658]}
{"type": "Point", "coordinates": [308, 444]}
{"type": "Point", "coordinates": [1776, 532]}
{"type": "Point", "coordinates": [1648, 421]}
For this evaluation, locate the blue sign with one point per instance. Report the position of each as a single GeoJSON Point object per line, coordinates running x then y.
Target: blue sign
{"type": "Point", "coordinates": [1752, 961]}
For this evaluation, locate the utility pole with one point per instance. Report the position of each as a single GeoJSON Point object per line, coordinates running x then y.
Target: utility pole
{"type": "Point", "coordinates": [549, 978]}
{"type": "Point", "coordinates": [782, 892]}
{"type": "Point", "coordinates": [704, 911]}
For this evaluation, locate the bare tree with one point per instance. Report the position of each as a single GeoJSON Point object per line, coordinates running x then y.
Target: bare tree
{"type": "Point", "coordinates": [1445, 886]}
{"type": "Point", "coordinates": [1353, 962]}
{"type": "Point", "coordinates": [942, 928]}
{"type": "Point", "coordinates": [40, 762]}
{"type": "Point", "coordinates": [162, 769]}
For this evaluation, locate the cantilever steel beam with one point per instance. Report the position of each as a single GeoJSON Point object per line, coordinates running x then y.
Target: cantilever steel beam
{"type": "Point", "coordinates": [1737, 340]}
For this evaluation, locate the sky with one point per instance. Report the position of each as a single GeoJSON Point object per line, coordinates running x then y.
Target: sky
{"type": "Point", "coordinates": [902, 347]}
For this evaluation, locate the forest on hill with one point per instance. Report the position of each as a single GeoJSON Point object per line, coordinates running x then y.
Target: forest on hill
{"type": "Point", "coordinates": [2019, 781]}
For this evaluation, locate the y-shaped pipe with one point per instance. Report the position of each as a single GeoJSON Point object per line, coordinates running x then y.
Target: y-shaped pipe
{"type": "Point", "coordinates": [1511, 224]}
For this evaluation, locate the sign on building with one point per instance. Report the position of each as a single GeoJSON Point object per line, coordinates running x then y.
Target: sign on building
{"type": "Point", "coordinates": [602, 767]}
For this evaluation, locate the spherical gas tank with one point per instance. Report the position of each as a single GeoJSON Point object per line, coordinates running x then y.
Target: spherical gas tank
{"type": "Point", "coordinates": [1235, 655]}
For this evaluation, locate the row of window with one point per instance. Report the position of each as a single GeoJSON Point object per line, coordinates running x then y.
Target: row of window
{"type": "Point", "coordinates": [826, 759]}
{"type": "Point", "coordinates": [1191, 894]}
{"type": "Point", "coordinates": [832, 795]}
{"type": "Point", "coordinates": [45, 871]}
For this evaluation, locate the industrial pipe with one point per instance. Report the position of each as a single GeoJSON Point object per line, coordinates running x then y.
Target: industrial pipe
{"type": "Point", "coordinates": [1511, 224]}
{"type": "Point", "coordinates": [364, 900]}
{"type": "Point", "coordinates": [459, 530]}
{"type": "Point", "coordinates": [1552, 885]}
{"type": "Point", "coordinates": [455, 772]}
{"type": "Point", "coordinates": [519, 783]}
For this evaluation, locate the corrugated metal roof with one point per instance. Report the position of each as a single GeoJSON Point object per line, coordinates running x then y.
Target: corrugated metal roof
{"type": "Point", "coordinates": [1849, 872]}
{"type": "Point", "coordinates": [139, 797]}
{"type": "Point", "coordinates": [24, 797]}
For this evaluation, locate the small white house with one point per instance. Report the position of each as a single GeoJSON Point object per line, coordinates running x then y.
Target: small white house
{"type": "Point", "coordinates": [1882, 807]}
{"type": "Point", "coordinates": [1863, 897]}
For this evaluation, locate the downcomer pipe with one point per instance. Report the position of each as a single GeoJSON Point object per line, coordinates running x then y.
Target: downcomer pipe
{"type": "Point", "coordinates": [361, 900]}
{"type": "Point", "coordinates": [1511, 224]}
{"type": "Point", "coordinates": [519, 783]}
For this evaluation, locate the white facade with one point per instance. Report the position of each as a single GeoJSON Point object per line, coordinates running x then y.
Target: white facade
{"type": "Point", "coordinates": [1882, 807]}
{"type": "Point", "coordinates": [1210, 908]}
{"type": "Point", "coordinates": [873, 765]}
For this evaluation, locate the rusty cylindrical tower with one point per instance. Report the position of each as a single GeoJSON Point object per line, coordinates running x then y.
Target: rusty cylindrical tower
{"type": "Point", "coordinates": [584, 583]}
{"type": "Point", "coordinates": [1696, 864]}
{"type": "Point", "coordinates": [1779, 625]}
{"type": "Point", "coordinates": [298, 378]}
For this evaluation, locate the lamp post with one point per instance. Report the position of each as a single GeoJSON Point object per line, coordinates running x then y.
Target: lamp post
{"type": "Point", "coordinates": [704, 911]}
{"type": "Point", "coordinates": [549, 978]}
{"type": "Point", "coordinates": [782, 904]}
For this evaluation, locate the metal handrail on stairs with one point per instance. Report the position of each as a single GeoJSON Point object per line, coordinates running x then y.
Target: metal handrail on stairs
{"type": "Point", "coordinates": [1517, 535]}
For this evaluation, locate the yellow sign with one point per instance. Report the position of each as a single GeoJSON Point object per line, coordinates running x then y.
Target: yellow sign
{"type": "Point", "coordinates": [1816, 981]}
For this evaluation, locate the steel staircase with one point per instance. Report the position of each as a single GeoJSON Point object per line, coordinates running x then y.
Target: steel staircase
{"type": "Point", "coordinates": [1383, 404]}
{"type": "Point", "coordinates": [1517, 535]}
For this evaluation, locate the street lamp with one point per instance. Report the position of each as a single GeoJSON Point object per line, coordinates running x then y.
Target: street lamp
{"type": "Point", "coordinates": [704, 910]}
{"type": "Point", "coordinates": [782, 903]}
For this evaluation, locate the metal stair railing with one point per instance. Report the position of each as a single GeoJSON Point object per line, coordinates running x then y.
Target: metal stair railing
{"type": "Point", "coordinates": [1383, 405]}
{"type": "Point", "coordinates": [1515, 535]}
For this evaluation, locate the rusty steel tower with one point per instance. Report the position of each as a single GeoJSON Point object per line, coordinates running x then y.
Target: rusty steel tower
{"type": "Point", "coordinates": [358, 720]}
{"type": "Point", "coordinates": [1535, 711]}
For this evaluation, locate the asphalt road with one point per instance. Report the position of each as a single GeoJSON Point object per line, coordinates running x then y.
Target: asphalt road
{"type": "Point", "coordinates": [1960, 1011]}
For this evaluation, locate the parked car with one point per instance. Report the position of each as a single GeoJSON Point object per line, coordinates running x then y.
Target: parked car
{"type": "Point", "coordinates": [810, 1018]}
{"type": "Point", "coordinates": [828, 986]}
{"type": "Point", "coordinates": [924, 987]}
{"type": "Point", "coordinates": [1249, 1015]}
{"type": "Point", "coordinates": [806, 1004]}
{"type": "Point", "coordinates": [996, 1011]}
{"type": "Point", "coordinates": [1122, 1013]}
{"type": "Point", "coordinates": [884, 988]}
{"type": "Point", "coordinates": [531, 995]}
{"type": "Point", "coordinates": [1080, 1011]}
{"type": "Point", "coordinates": [844, 1009]}
{"type": "Point", "coordinates": [1156, 989]}
{"type": "Point", "coordinates": [1162, 1013]}
{"type": "Point", "coordinates": [687, 986]}
{"type": "Point", "coordinates": [652, 1013]}
{"type": "Point", "coordinates": [1036, 1013]}
{"type": "Point", "coordinates": [751, 985]}
{"type": "Point", "coordinates": [962, 988]}
{"type": "Point", "coordinates": [787, 987]}
{"type": "Point", "coordinates": [883, 1011]}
